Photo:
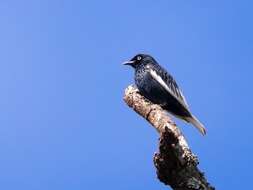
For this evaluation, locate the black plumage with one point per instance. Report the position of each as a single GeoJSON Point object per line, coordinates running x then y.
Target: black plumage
{"type": "Point", "coordinates": [157, 85]}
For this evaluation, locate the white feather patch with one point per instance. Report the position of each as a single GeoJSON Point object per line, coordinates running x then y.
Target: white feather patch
{"type": "Point", "coordinates": [165, 86]}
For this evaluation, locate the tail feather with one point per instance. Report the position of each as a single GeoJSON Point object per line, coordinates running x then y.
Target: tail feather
{"type": "Point", "coordinates": [193, 120]}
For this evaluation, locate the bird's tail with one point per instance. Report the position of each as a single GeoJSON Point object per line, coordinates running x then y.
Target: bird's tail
{"type": "Point", "coordinates": [193, 120]}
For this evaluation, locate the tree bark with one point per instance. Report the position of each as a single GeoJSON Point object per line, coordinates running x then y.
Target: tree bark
{"type": "Point", "coordinates": [176, 165]}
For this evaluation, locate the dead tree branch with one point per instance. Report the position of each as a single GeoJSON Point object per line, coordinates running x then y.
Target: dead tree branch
{"type": "Point", "coordinates": [175, 163]}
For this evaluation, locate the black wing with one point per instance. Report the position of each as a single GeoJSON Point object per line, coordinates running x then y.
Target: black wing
{"type": "Point", "coordinates": [167, 81]}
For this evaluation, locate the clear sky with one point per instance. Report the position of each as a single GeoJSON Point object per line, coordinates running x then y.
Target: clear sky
{"type": "Point", "coordinates": [63, 124]}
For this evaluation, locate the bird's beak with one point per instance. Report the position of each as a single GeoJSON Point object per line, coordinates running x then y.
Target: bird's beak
{"type": "Point", "coordinates": [128, 62]}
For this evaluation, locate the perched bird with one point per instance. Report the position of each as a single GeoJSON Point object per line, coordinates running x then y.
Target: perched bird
{"type": "Point", "coordinates": [157, 85]}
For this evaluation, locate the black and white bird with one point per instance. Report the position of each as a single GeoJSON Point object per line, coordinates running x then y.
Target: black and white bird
{"type": "Point", "coordinates": [157, 85]}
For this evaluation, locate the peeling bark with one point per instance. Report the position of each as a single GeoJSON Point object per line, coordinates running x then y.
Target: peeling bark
{"type": "Point", "coordinates": [176, 165]}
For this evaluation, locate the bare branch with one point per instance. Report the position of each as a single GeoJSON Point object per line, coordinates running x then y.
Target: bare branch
{"type": "Point", "coordinates": [175, 163]}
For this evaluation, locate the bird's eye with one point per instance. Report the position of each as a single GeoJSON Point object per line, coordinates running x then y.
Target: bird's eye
{"type": "Point", "coordinates": [139, 58]}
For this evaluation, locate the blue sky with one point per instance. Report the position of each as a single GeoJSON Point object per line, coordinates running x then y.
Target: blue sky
{"type": "Point", "coordinates": [63, 123]}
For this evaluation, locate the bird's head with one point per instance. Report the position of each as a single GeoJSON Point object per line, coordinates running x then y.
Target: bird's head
{"type": "Point", "coordinates": [139, 59]}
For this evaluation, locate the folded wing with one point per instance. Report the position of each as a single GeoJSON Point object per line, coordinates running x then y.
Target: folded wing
{"type": "Point", "coordinates": [169, 84]}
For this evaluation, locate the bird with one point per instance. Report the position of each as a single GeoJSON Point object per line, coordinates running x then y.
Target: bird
{"type": "Point", "coordinates": [157, 85]}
